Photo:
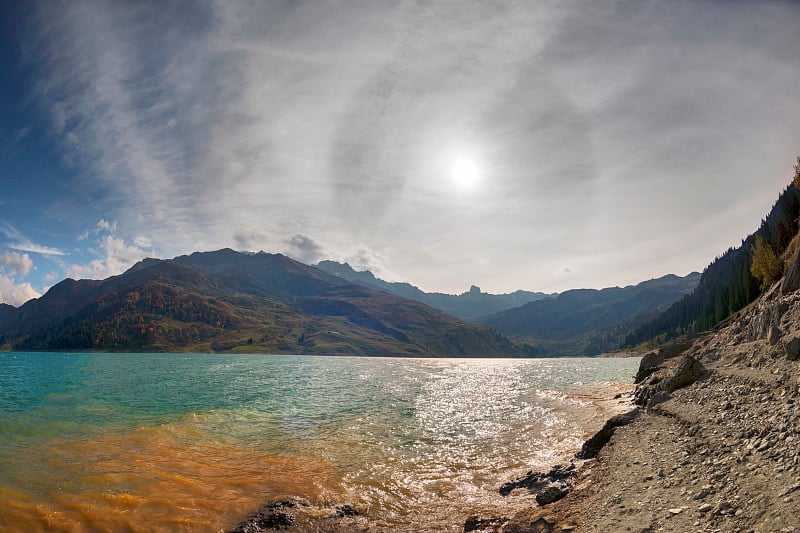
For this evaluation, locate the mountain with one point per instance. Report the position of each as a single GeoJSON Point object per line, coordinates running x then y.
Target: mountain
{"type": "Point", "coordinates": [227, 301]}
{"type": "Point", "coordinates": [468, 306]}
{"type": "Point", "coordinates": [590, 321]}
{"type": "Point", "coordinates": [728, 284]}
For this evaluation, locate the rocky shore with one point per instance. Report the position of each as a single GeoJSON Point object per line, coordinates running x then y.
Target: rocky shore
{"type": "Point", "coordinates": [711, 444]}
{"type": "Point", "coordinates": [714, 444]}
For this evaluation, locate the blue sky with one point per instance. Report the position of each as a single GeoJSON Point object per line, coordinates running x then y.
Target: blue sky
{"type": "Point", "coordinates": [536, 145]}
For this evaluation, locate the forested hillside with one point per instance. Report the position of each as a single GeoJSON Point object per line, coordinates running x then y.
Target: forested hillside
{"type": "Point", "coordinates": [227, 301]}
{"type": "Point", "coordinates": [731, 281]}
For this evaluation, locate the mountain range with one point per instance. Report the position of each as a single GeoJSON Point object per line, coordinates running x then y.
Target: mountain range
{"type": "Point", "coordinates": [590, 321]}
{"type": "Point", "coordinates": [228, 301]}
{"type": "Point", "coordinates": [469, 305]}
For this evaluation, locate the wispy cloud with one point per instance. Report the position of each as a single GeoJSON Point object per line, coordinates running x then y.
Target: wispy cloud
{"type": "Point", "coordinates": [18, 241]}
{"type": "Point", "coordinates": [595, 126]}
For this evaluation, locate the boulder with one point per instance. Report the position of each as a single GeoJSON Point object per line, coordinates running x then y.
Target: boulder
{"type": "Point", "coordinates": [649, 364]}
{"type": "Point", "coordinates": [476, 523]}
{"type": "Point", "coordinates": [674, 374]}
{"type": "Point", "coordinates": [774, 335]}
{"type": "Point", "coordinates": [791, 344]}
{"type": "Point", "coordinates": [551, 493]}
{"type": "Point", "coordinates": [593, 446]}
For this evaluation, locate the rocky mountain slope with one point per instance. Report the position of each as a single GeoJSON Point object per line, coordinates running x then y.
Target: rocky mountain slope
{"type": "Point", "coordinates": [469, 305]}
{"type": "Point", "coordinates": [590, 321]}
{"type": "Point", "coordinates": [229, 301]}
{"type": "Point", "coordinates": [714, 444]}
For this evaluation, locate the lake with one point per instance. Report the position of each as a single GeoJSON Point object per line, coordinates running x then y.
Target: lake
{"type": "Point", "coordinates": [196, 442]}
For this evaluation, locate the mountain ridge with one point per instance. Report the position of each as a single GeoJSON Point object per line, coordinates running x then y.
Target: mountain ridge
{"type": "Point", "coordinates": [468, 305]}
{"type": "Point", "coordinates": [589, 321]}
{"type": "Point", "coordinates": [227, 301]}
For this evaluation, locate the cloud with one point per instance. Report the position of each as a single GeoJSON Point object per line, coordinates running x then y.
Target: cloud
{"type": "Point", "coordinates": [259, 124]}
{"type": "Point", "coordinates": [116, 256]}
{"type": "Point", "coordinates": [83, 236]}
{"type": "Point", "coordinates": [13, 294]}
{"type": "Point", "coordinates": [142, 241]}
{"type": "Point", "coordinates": [34, 248]}
{"type": "Point", "coordinates": [22, 244]}
{"type": "Point", "coordinates": [364, 258]}
{"type": "Point", "coordinates": [305, 249]}
{"type": "Point", "coordinates": [20, 264]}
{"type": "Point", "coordinates": [103, 225]}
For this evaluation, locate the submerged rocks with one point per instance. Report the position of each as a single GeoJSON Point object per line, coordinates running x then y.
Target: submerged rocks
{"type": "Point", "coordinates": [538, 481]}
{"type": "Point", "coordinates": [271, 516]}
{"type": "Point", "coordinates": [297, 514]}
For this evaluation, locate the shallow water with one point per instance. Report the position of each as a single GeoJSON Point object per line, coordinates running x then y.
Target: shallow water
{"type": "Point", "coordinates": [192, 442]}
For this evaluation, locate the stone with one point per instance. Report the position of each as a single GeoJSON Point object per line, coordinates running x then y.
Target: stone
{"type": "Point", "coordinates": [774, 335]}
{"type": "Point", "coordinates": [341, 511]}
{"type": "Point", "coordinates": [536, 481]}
{"type": "Point", "coordinates": [551, 493]}
{"type": "Point", "coordinates": [791, 345]}
{"type": "Point", "coordinates": [659, 397]}
{"type": "Point", "coordinates": [706, 507]}
{"type": "Point", "coordinates": [676, 510]}
{"type": "Point", "coordinates": [649, 364]}
{"type": "Point", "coordinates": [670, 377]}
{"type": "Point", "coordinates": [594, 444]}
{"type": "Point", "coordinates": [476, 523]}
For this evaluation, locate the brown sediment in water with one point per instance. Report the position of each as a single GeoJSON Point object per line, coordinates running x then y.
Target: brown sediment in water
{"type": "Point", "coordinates": [177, 477]}
{"type": "Point", "coordinates": [149, 480]}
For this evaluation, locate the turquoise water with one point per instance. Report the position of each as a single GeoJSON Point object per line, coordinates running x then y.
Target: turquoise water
{"type": "Point", "coordinates": [194, 442]}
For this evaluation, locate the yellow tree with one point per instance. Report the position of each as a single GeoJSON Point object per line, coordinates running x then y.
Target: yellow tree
{"type": "Point", "coordinates": [765, 266]}
{"type": "Point", "coordinates": [797, 174]}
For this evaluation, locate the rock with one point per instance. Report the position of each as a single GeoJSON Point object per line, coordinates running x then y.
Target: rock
{"type": "Point", "coordinates": [706, 507]}
{"type": "Point", "coordinates": [592, 446]}
{"type": "Point", "coordinates": [476, 523]}
{"type": "Point", "coordinates": [536, 481]}
{"type": "Point", "coordinates": [672, 376]}
{"type": "Point", "coordinates": [649, 364]}
{"type": "Point", "coordinates": [791, 280]}
{"type": "Point", "coordinates": [686, 372]}
{"type": "Point", "coordinates": [299, 514]}
{"type": "Point", "coordinates": [676, 510]}
{"type": "Point", "coordinates": [551, 493]}
{"type": "Point", "coordinates": [273, 515]}
{"type": "Point", "coordinates": [791, 345]}
{"type": "Point", "coordinates": [659, 397]}
{"type": "Point", "coordinates": [534, 525]}
{"type": "Point", "coordinates": [774, 335]}
{"type": "Point", "coordinates": [341, 511]}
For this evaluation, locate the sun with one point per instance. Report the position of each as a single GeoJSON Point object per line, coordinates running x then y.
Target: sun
{"type": "Point", "coordinates": [464, 172]}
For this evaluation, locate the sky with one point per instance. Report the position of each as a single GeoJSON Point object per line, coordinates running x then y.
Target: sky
{"type": "Point", "coordinates": [540, 145]}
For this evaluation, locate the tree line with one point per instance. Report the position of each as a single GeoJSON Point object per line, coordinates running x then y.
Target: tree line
{"type": "Point", "coordinates": [736, 278]}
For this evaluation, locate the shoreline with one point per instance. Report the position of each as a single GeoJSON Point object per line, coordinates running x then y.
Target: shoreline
{"type": "Point", "coordinates": [720, 454]}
